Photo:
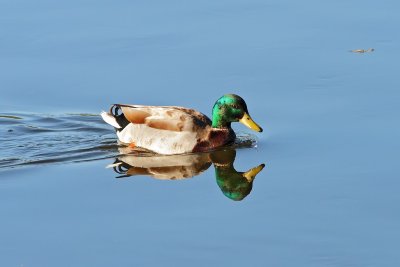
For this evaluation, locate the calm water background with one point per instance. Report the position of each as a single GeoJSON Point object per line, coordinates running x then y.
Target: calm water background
{"type": "Point", "coordinates": [328, 195]}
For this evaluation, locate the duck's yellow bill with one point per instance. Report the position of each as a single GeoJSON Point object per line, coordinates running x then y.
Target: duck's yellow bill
{"type": "Point", "coordinates": [248, 121]}
{"type": "Point", "coordinates": [251, 174]}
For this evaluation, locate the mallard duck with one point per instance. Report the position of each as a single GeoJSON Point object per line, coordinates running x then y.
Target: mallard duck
{"type": "Point", "coordinates": [177, 130]}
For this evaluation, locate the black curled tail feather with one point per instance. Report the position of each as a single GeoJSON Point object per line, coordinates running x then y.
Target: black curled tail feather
{"type": "Point", "coordinates": [116, 111]}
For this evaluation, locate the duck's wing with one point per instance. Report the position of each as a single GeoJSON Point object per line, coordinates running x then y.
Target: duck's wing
{"type": "Point", "coordinates": [169, 118]}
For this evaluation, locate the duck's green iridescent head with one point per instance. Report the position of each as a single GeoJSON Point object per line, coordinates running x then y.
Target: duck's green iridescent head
{"type": "Point", "coordinates": [232, 108]}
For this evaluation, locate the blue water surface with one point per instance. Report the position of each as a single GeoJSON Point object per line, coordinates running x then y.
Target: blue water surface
{"type": "Point", "coordinates": [328, 195]}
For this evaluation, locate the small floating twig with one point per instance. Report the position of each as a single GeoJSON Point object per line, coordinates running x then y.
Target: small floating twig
{"type": "Point", "coordinates": [362, 50]}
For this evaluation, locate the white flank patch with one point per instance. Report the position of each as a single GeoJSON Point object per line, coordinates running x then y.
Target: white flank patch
{"type": "Point", "coordinates": [110, 119]}
{"type": "Point", "coordinates": [160, 141]}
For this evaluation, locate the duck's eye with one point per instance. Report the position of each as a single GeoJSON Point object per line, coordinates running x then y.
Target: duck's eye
{"type": "Point", "coordinates": [235, 106]}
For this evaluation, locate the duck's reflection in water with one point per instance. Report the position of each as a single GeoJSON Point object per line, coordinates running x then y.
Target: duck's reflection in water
{"type": "Point", "coordinates": [234, 185]}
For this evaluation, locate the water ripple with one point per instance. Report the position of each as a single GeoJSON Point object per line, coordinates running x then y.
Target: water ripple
{"type": "Point", "coordinates": [36, 139]}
